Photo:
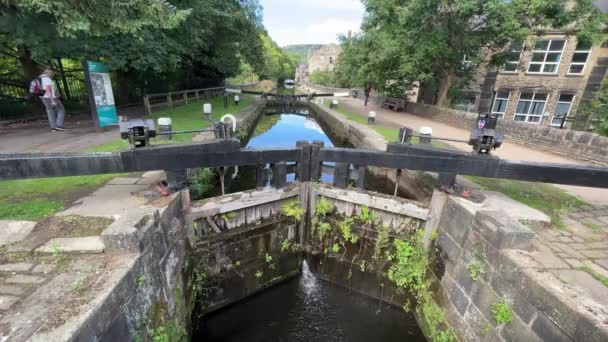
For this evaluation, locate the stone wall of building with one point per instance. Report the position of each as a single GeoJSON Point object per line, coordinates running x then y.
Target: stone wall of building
{"type": "Point", "coordinates": [323, 59]}
{"type": "Point", "coordinates": [485, 266]}
{"type": "Point", "coordinates": [582, 146]}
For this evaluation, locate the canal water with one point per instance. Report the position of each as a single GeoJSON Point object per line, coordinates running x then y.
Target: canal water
{"type": "Point", "coordinates": [305, 308]}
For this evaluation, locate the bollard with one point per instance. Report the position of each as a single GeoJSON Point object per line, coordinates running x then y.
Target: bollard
{"type": "Point", "coordinates": [225, 100]}
{"type": "Point", "coordinates": [236, 100]}
{"type": "Point", "coordinates": [164, 126]}
{"type": "Point", "coordinates": [425, 135]}
{"type": "Point", "coordinates": [333, 104]}
{"type": "Point", "coordinates": [371, 118]}
{"type": "Point", "coordinates": [207, 111]}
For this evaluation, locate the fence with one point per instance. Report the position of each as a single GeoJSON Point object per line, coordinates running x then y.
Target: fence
{"type": "Point", "coordinates": [173, 98]}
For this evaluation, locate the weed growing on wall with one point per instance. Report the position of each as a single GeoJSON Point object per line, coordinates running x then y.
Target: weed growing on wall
{"type": "Point", "coordinates": [502, 313]}
{"type": "Point", "coordinates": [292, 209]}
{"type": "Point", "coordinates": [285, 244]}
{"type": "Point", "coordinates": [475, 269]}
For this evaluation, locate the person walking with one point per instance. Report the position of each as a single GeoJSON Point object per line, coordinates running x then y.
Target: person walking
{"type": "Point", "coordinates": [54, 108]}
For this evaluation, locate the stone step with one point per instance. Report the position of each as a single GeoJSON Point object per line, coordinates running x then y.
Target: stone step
{"type": "Point", "coordinates": [87, 244]}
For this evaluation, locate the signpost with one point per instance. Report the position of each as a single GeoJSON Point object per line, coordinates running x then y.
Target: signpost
{"type": "Point", "coordinates": [101, 97]}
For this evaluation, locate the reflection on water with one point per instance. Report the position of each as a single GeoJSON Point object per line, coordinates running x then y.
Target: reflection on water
{"type": "Point", "coordinates": [289, 129]}
{"type": "Point", "coordinates": [306, 308]}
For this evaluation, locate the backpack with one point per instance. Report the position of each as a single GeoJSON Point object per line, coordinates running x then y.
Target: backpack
{"type": "Point", "coordinates": [36, 87]}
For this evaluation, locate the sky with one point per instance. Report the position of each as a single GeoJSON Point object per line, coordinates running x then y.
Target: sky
{"type": "Point", "coordinates": [310, 21]}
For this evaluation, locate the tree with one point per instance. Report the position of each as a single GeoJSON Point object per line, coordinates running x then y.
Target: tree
{"type": "Point", "coordinates": [597, 110]}
{"type": "Point", "coordinates": [427, 40]}
{"type": "Point", "coordinates": [357, 65]}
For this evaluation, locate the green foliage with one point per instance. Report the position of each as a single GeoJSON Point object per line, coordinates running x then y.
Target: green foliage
{"type": "Point", "coordinates": [299, 53]}
{"type": "Point", "coordinates": [434, 319]}
{"type": "Point", "coordinates": [259, 274]}
{"type": "Point", "coordinates": [475, 269]}
{"type": "Point", "coordinates": [335, 248]}
{"type": "Point", "coordinates": [345, 227]}
{"type": "Point", "coordinates": [268, 258]}
{"type": "Point", "coordinates": [201, 183]}
{"type": "Point", "coordinates": [596, 111]}
{"type": "Point", "coordinates": [278, 65]}
{"type": "Point", "coordinates": [285, 244]}
{"type": "Point", "coordinates": [292, 209]}
{"type": "Point", "coordinates": [409, 266]}
{"type": "Point", "coordinates": [324, 78]}
{"type": "Point", "coordinates": [168, 332]}
{"type": "Point", "coordinates": [323, 207]}
{"type": "Point", "coordinates": [366, 216]}
{"type": "Point", "coordinates": [502, 312]}
{"type": "Point", "coordinates": [405, 42]}
{"type": "Point", "coordinates": [433, 235]}
{"type": "Point", "coordinates": [382, 242]}
{"type": "Point", "coordinates": [322, 229]}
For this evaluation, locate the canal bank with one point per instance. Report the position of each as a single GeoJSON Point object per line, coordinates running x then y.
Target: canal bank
{"type": "Point", "coordinates": [215, 253]}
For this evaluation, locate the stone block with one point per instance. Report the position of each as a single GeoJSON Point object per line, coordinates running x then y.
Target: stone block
{"type": "Point", "coordinates": [87, 244]}
{"type": "Point", "coordinates": [448, 246]}
{"type": "Point", "coordinates": [24, 279]}
{"type": "Point", "coordinates": [43, 268]}
{"type": "Point", "coordinates": [501, 231]}
{"type": "Point", "coordinates": [123, 181]}
{"type": "Point", "coordinates": [483, 297]}
{"type": "Point", "coordinates": [14, 231]}
{"type": "Point", "coordinates": [594, 253]}
{"type": "Point", "coordinates": [518, 331]}
{"type": "Point", "coordinates": [518, 303]}
{"type": "Point", "coordinates": [457, 297]}
{"type": "Point", "coordinates": [574, 263]}
{"type": "Point", "coordinates": [482, 329]}
{"type": "Point", "coordinates": [12, 290]}
{"type": "Point", "coordinates": [572, 253]}
{"type": "Point", "coordinates": [548, 331]}
{"type": "Point", "coordinates": [16, 267]}
{"type": "Point", "coordinates": [6, 302]}
{"type": "Point", "coordinates": [457, 220]}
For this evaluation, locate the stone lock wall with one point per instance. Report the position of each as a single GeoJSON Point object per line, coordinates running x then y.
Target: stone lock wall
{"type": "Point", "coordinates": [491, 242]}
{"type": "Point", "coordinates": [583, 146]}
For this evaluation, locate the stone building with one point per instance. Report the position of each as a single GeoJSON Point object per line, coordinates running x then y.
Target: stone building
{"type": "Point", "coordinates": [545, 81]}
{"type": "Point", "coordinates": [323, 59]}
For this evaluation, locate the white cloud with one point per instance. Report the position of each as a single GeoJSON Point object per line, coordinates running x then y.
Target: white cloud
{"type": "Point", "coordinates": [323, 32]}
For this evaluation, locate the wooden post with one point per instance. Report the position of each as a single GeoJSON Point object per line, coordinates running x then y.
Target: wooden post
{"type": "Point", "coordinates": [147, 104]}
{"type": "Point", "coordinates": [361, 169]}
{"type": "Point", "coordinates": [279, 175]}
{"type": "Point", "coordinates": [186, 97]}
{"type": "Point", "coordinates": [170, 100]}
{"type": "Point", "coordinates": [341, 175]}
{"type": "Point", "coordinates": [315, 161]}
{"type": "Point", "coordinates": [447, 180]}
{"type": "Point", "coordinates": [260, 176]}
{"type": "Point", "coordinates": [196, 94]}
{"type": "Point", "coordinates": [303, 166]}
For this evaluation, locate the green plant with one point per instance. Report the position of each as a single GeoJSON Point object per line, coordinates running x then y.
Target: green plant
{"type": "Point", "coordinates": [78, 285]}
{"type": "Point", "coordinates": [259, 274]}
{"type": "Point", "coordinates": [381, 242]}
{"type": "Point", "coordinates": [285, 244]}
{"type": "Point", "coordinates": [362, 265]}
{"type": "Point", "coordinates": [366, 216]}
{"type": "Point", "coordinates": [229, 216]}
{"type": "Point", "coordinates": [268, 258]}
{"type": "Point", "coordinates": [141, 280]}
{"type": "Point", "coordinates": [475, 269]}
{"type": "Point", "coordinates": [323, 207]}
{"type": "Point", "coordinates": [345, 227]}
{"type": "Point", "coordinates": [595, 275]}
{"type": "Point", "coordinates": [433, 235]}
{"type": "Point", "coordinates": [502, 312]}
{"type": "Point", "coordinates": [335, 248]}
{"type": "Point", "coordinates": [237, 263]}
{"type": "Point", "coordinates": [323, 228]}
{"type": "Point", "coordinates": [410, 264]}
{"type": "Point", "coordinates": [293, 210]}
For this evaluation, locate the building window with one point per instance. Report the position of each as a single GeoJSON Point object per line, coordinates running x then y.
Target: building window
{"type": "Point", "coordinates": [564, 104]}
{"type": "Point", "coordinates": [513, 57]}
{"type": "Point", "coordinates": [579, 59]}
{"type": "Point", "coordinates": [546, 56]}
{"type": "Point", "coordinates": [530, 107]}
{"type": "Point", "coordinates": [501, 99]}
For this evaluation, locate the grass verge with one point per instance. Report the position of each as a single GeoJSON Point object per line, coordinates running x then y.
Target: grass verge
{"type": "Point", "coordinates": [544, 197]}
{"type": "Point", "coordinates": [35, 199]}
{"type": "Point", "coordinates": [595, 275]}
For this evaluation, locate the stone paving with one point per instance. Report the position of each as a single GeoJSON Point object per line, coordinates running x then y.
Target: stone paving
{"type": "Point", "coordinates": [48, 277]}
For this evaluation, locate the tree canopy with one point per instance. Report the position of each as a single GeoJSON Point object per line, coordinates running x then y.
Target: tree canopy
{"type": "Point", "coordinates": [438, 42]}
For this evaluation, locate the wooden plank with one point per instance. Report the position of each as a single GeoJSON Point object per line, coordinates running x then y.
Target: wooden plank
{"type": "Point", "coordinates": [260, 175]}
{"type": "Point", "coordinates": [241, 200]}
{"type": "Point", "coordinates": [392, 205]}
{"type": "Point", "coordinates": [279, 175]}
{"type": "Point", "coordinates": [147, 105]}
{"type": "Point", "coordinates": [360, 181]}
{"type": "Point", "coordinates": [213, 225]}
{"type": "Point", "coordinates": [487, 166]}
{"type": "Point", "coordinates": [341, 175]}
